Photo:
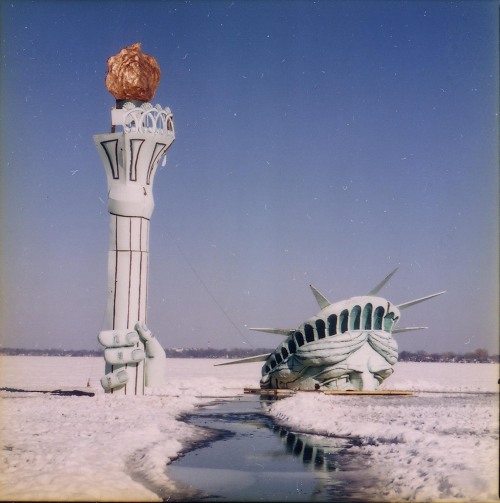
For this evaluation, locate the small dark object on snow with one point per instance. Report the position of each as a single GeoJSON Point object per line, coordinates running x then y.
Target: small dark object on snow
{"type": "Point", "coordinates": [72, 392]}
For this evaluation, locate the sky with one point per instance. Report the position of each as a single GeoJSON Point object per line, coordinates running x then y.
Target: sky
{"type": "Point", "coordinates": [317, 142]}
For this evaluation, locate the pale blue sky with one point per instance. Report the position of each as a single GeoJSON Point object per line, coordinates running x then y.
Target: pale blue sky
{"type": "Point", "coordinates": [317, 142]}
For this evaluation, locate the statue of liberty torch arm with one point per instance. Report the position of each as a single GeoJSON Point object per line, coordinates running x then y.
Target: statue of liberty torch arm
{"type": "Point", "coordinates": [133, 357]}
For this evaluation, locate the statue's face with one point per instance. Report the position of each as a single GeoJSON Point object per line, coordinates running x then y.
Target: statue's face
{"type": "Point", "coordinates": [328, 363]}
{"type": "Point", "coordinates": [364, 369]}
{"type": "Point", "coordinates": [347, 346]}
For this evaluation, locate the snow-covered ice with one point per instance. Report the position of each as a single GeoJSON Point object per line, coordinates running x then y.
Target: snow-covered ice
{"type": "Point", "coordinates": [439, 444]}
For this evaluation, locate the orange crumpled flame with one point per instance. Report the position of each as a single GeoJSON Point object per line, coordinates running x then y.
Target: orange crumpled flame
{"type": "Point", "coordinates": [132, 75]}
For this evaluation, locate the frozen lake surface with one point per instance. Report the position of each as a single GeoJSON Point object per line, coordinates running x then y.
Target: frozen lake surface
{"type": "Point", "coordinates": [440, 444]}
{"type": "Point", "coordinates": [251, 458]}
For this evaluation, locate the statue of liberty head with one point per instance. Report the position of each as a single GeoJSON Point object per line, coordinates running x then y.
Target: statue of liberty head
{"type": "Point", "coordinates": [348, 345]}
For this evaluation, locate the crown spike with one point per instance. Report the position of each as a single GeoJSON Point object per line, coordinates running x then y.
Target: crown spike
{"type": "Point", "coordinates": [381, 285]}
{"type": "Point", "coordinates": [407, 329]}
{"type": "Point", "coordinates": [320, 298]}
{"type": "Point", "coordinates": [278, 331]}
{"type": "Point", "coordinates": [417, 301]}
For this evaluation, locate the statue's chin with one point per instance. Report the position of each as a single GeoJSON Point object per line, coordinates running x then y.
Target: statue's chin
{"type": "Point", "coordinates": [342, 384]}
{"type": "Point", "coordinates": [323, 378]}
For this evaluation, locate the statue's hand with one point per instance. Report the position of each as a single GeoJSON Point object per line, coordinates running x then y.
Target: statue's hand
{"type": "Point", "coordinates": [121, 349]}
{"type": "Point", "coordinates": [156, 359]}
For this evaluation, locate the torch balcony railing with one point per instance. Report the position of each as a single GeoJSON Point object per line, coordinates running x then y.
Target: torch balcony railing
{"type": "Point", "coordinates": [147, 119]}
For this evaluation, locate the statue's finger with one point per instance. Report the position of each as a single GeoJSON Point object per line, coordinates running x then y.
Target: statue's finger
{"type": "Point", "coordinates": [114, 379]}
{"type": "Point", "coordinates": [144, 331]}
{"type": "Point", "coordinates": [117, 338]}
{"type": "Point", "coordinates": [116, 356]}
{"type": "Point", "coordinates": [154, 349]}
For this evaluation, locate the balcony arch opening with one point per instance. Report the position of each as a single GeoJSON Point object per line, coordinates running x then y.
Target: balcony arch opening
{"type": "Point", "coordinates": [355, 318]}
{"type": "Point", "coordinates": [378, 317]}
{"type": "Point", "coordinates": [332, 324]}
{"type": "Point", "coordinates": [299, 338]}
{"type": "Point", "coordinates": [366, 320]}
{"type": "Point", "coordinates": [344, 321]}
{"type": "Point", "coordinates": [309, 332]}
{"type": "Point", "coordinates": [321, 329]}
{"type": "Point", "coordinates": [389, 322]}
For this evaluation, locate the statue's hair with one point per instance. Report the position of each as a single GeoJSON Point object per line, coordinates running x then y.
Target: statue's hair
{"type": "Point", "coordinates": [336, 349]}
{"type": "Point", "coordinates": [384, 344]}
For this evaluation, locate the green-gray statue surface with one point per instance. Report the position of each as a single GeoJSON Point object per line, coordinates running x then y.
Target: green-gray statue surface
{"type": "Point", "coordinates": [348, 345]}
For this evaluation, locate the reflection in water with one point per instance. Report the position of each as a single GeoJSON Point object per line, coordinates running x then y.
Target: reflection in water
{"type": "Point", "coordinates": [309, 450]}
{"type": "Point", "coordinates": [253, 459]}
{"type": "Point", "coordinates": [316, 451]}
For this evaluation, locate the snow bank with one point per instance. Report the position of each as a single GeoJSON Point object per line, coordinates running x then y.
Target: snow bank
{"type": "Point", "coordinates": [80, 448]}
{"type": "Point", "coordinates": [426, 447]}
{"type": "Point", "coordinates": [444, 377]}
{"type": "Point", "coordinates": [115, 448]}
{"type": "Point", "coordinates": [101, 448]}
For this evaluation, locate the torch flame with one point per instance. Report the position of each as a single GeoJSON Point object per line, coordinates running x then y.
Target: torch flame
{"type": "Point", "coordinates": [132, 75]}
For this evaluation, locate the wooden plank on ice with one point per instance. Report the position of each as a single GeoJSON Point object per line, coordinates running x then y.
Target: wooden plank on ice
{"type": "Point", "coordinates": [286, 392]}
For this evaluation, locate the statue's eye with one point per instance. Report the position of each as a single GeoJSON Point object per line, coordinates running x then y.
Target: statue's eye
{"type": "Point", "coordinates": [341, 382]}
{"type": "Point", "coordinates": [382, 374]}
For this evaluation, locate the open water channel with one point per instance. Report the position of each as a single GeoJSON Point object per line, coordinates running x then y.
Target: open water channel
{"type": "Point", "coordinates": [250, 458]}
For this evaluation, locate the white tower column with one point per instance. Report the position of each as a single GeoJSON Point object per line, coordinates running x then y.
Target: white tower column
{"type": "Point", "coordinates": [130, 159]}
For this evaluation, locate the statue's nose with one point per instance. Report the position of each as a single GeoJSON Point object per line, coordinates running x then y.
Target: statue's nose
{"type": "Point", "coordinates": [368, 381]}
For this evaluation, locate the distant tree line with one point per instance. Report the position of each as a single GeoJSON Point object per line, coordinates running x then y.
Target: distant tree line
{"type": "Point", "coordinates": [170, 352]}
{"type": "Point", "coordinates": [215, 353]}
{"type": "Point", "coordinates": [476, 356]}
{"type": "Point", "coordinates": [50, 352]}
